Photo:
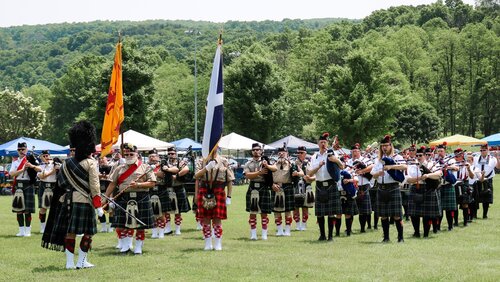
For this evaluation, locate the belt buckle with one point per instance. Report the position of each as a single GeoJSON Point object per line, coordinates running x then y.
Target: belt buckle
{"type": "Point", "coordinates": [133, 195]}
{"type": "Point", "coordinates": [324, 183]}
{"type": "Point", "coordinates": [19, 184]}
{"type": "Point", "coordinates": [256, 185]}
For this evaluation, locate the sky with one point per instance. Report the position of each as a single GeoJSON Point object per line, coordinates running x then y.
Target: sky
{"type": "Point", "coordinates": [32, 12]}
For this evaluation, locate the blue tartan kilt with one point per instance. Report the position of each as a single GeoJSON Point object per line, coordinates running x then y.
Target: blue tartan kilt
{"type": "Point", "coordinates": [145, 210]}
{"type": "Point", "coordinates": [431, 207]}
{"type": "Point", "coordinates": [393, 207]}
{"type": "Point", "coordinates": [29, 196]}
{"type": "Point", "coordinates": [373, 197]}
{"type": "Point", "coordinates": [448, 197]}
{"type": "Point", "coordinates": [483, 195]}
{"type": "Point", "coordinates": [162, 193]}
{"type": "Point", "coordinates": [349, 205]}
{"type": "Point", "coordinates": [289, 196]}
{"type": "Point", "coordinates": [415, 209]}
{"type": "Point", "coordinates": [41, 188]}
{"type": "Point", "coordinates": [332, 206]}
{"type": "Point", "coordinates": [265, 200]}
{"type": "Point", "coordinates": [82, 219]}
{"type": "Point", "coordinates": [363, 200]}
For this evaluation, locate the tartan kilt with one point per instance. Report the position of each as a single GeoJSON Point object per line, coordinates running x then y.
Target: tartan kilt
{"type": "Point", "coordinates": [392, 208]}
{"type": "Point", "coordinates": [405, 193]}
{"type": "Point", "coordinates": [29, 197]}
{"type": "Point", "coordinates": [162, 193]}
{"type": "Point", "coordinates": [373, 197]}
{"type": "Point", "coordinates": [265, 202]}
{"type": "Point", "coordinates": [349, 205]}
{"type": "Point", "coordinates": [415, 209]}
{"type": "Point", "coordinates": [448, 197]}
{"type": "Point", "coordinates": [289, 196]}
{"type": "Point", "coordinates": [220, 209]}
{"type": "Point", "coordinates": [182, 200]}
{"type": "Point", "coordinates": [41, 187]}
{"type": "Point", "coordinates": [431, 207]}
{"type": "Point", "coordinates": [487, 184]}
{"type": "Point", "coordinates": [333, 206]}
{"type": "Point", "coordinates": [466, 197]}
{"type": "Point", "coordinates": [82, 219]}
{"type": "Point", "coordinates": [364, 201]}
{"type": "Point", "coordinates": [145, 210]}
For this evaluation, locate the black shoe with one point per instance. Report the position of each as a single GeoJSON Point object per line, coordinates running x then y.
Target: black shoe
{"type": "Point", "coordinates": [386, 240]}
{"type": "Point", "coordinates": [375, 227]}
{"type": "Point", "coordinates": [362, 231]}
{"type": "Point", "coordinates": [401, 240]}
{"type": "Point", "coordinates": [455, 224]}
{"type": "Point", "coordinates": [485, 217]}
{"type": "Point", "coordinates": [416, 235]}
{"type": "Point", "coordinates": [450, 228]}
{"type": "Point", "coordinates": [330, 238]}
{"type": "Point", "coordinates": [322, 238]}
{"type": "Point", "coordinates": [369, 227]}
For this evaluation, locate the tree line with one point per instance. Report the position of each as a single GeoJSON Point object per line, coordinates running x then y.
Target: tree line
{"type": "Point", "coordinates": [415, 72]}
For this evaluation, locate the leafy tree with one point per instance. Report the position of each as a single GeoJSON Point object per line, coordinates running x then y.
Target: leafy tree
{"type": "Point", "coordinates": [19, 116]}
{"type": "Point", "coordinates": [417, 122]}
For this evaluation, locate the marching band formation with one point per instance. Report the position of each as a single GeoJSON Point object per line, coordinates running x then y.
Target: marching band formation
{"type": "Point", "coordinates": [423, 185]}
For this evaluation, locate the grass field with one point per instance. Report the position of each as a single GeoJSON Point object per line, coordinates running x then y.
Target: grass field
{"type": "Point", "coordinates": [467, 253]}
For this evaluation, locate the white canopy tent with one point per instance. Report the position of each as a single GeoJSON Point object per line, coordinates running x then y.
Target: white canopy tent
{"type": "Point", "coordinates": [142, 141]}
{"type": "Point", "coordinates": [234, 141]}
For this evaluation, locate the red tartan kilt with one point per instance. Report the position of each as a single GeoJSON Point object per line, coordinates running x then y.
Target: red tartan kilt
{"type": "Point", "coordinates": [220, 210]}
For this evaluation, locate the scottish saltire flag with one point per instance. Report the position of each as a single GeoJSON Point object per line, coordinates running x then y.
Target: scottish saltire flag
{"type": "Point", "coordinates": [214, 119]}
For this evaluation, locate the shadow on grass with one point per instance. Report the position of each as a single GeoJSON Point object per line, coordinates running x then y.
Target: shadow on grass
{"type": "Point", "coordinates": [51, 268]}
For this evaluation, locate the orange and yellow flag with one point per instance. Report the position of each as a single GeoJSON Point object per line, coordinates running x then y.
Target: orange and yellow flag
{"type": "Point", "coordinates": [113, 117]}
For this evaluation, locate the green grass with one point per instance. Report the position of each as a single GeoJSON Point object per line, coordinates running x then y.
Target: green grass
{"type": "Point", "coordinates": [470, 253]}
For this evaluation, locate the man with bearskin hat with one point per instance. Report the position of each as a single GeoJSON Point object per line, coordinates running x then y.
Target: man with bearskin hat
{"type": "Point", "coordinates": [327, 202]}
{"type": "Point", "coordinates": [213, 176]}
{"type": "Point", "coordinates": [484, 184]}
{"type": "Point", "coordinates": [304, 197]}
{"type": "Point", "coordinates": [47, 177]}
{"type": "Point", "coordinates": [76, 195]}
{"type": "Point", "coordinates": [258, 197]}
{"type": "Point", "coordinates": [388, 169]}
{"type": "Point", "coordinates": [283, 193]}
{"type": "Point", "coordinates": [361, 167]}
{"type": "Point", "coordinates": [133, 179]}
{"type": "Point", "coordinates": [23, 190]}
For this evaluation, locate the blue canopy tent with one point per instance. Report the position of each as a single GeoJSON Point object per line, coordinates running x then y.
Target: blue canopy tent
{"type": "Point", "coordinates": [493, 140]}
{"type": "Point", "coordinates": [10, 148]}
{"type": "Point", "coordinates": [185, 143]}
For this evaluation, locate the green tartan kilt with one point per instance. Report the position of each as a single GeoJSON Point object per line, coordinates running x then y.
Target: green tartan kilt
{"type": "Point", "coordinates": [41, 188]}
{"type": "Point", "coordinates": [162, 193]}
{"type": "Point", "coordinates": [289, 197]}
{"type": "Point", "coordinates": [484, 186]}
{"type": "Point", "coordinates": [144, 210]}
{"type": "Point", "coordinates": [82, 219]}
{"type": "Point", "coordinates": [333, 206]}
{"type": "Point", "coordinates": [182, 200]}
{"type": "Point", "coordinates": [349, 206]}
{"type": "Point", "coordinates": [29, 197]}
{"type": "Point", "coordinates": [364, 202]}
{"type": "Point", "coordinates": [392, 208]}
{"type": "Point", "coordinates": [448, 197]}
{"type": "Point", "coordinates": [431, 207]}
{"type": "Point", "coordinates": [265, 200]}
{"type": "Point", "coordinates": [415, 209]}
{"type": "Point", "coordinates": [373, 197]}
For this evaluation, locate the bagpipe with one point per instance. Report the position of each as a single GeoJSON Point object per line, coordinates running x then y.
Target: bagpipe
{"type": "Point", "coordinates": [349, 187]}
{"type": "Point", "coordinates": [268, 177]}
{"type": "Point", "coordinates": [359, 165]}
{"type": "Point", "coordinates": [32, 158]}
{"type": "Point", "coordinates": [447, 173]}
{"type": "Point", "coordinates": [189, 161]}
{"type": "Point", "coordinates": [168, 177]}
{"type": "Point", "coordinates": [397, 175]}
{"type": "Point", "coordinates": [332, 167]}
{"type": "Point", "coordinates": [430, 183]}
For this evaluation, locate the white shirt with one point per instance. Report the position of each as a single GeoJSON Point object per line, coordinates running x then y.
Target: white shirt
{"type": "Point", "coordinates": [15, 165]}
{"type": "Point", "coordinates": [487, 164]}
{"type": "Point", "coordinates": [46, 169]}
{"type": "Point", "coordinates": [322, 173]}
{"type": "Point", "coordinates": [368, 162]}
{"type": "Point", "coordinates": [379, 166]}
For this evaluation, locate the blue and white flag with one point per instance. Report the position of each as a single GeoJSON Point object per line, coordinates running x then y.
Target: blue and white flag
{"type": "Point", "coordinates": [214, 120]}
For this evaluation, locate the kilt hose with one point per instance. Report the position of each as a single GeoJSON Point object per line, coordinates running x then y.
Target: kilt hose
{"type": "Point", "coordinates": [373, 197]}
{"type": "Point", "coordinates": [265, 201]}
{"type": "Point", "coordinates": [363, 200]}
{"type": "Point", "coordinates": [145, 210]}
{"type": "Point", "coordinates": [162, 193]}
{"type": "Point", "coordinates": [431, 206]}
{"type": "Point", "coordinates": [349, 205]}
{"type": "Point", "coordinates": [414, 208]}
{"type": "Point", "coordinates": [393, 207]}
{"type": "Point", "coordinates": [41, 189]}
{"type": "Point", "coordinates": [448, 197]}
{"type": "Point", "coordinates": [220, 209]}
{"type": "Point", "coordinates": [289, 196]}
{"type": "Point", "coordinates": [481, 188]}
{"type": "Point", "coordinates": [331, 204]}
{"type": "Point", "coordinates": [182, 200]}
{"type": "Point", "coordinates": [29, 195]}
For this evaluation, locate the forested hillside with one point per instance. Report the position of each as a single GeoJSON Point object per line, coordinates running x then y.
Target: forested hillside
{"type": "Point", "coordinates": [416, 72]}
